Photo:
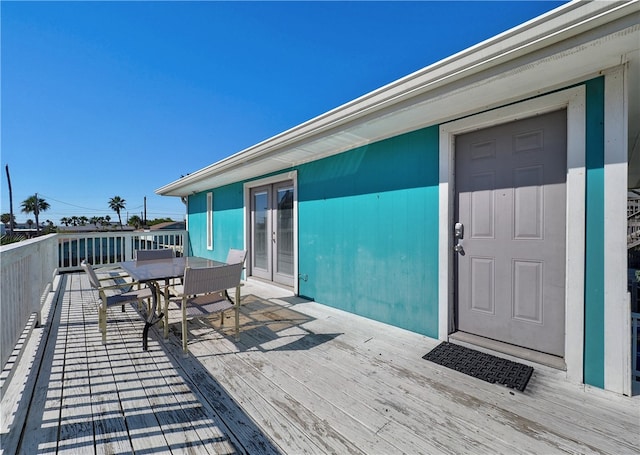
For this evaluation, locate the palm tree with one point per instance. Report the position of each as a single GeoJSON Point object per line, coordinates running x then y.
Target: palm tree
{"type": "Point", "coordinates": [135, 221]}
{"type": "Point", "coordinates": [6, 219]}
{"type": "Point", "coordinates": [35, 205]}
{"type": "Point", "coordinates": [50, 227]}
{"type": "Point", "coordinates": [64, 220]}
{"type": "Point", "coordinates": [117, 204]}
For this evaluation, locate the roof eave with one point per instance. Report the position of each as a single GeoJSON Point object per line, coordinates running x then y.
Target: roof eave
{"type": "Point", "coordinates": [555, 26]}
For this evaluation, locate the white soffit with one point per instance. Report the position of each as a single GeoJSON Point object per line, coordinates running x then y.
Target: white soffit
{"type": "Point", "coordinates": [586, 37]}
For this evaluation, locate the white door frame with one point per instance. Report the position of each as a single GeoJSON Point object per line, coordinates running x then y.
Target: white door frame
{"type": "Point", "coordinates": [293, 176]}
{"type": "Point", "coordinates": [574, 101]}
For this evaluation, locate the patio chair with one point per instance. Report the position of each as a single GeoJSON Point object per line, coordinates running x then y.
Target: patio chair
{"type": "Point", "coordinates": [236, 256]}
{"type": "Point", "coordinates": [113, 294]}
{"type": "Point", "coordinates": [148, 255]}
{"type": "Point", "coordinates": [233, 257]}
{"type": "Point", "coordinates": [202, 294]}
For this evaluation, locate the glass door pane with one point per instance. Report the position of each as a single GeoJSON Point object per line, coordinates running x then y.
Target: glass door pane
{"type": "Point", "coordinates": [260, 234]}
{"type": "Point", "coordinates": [283, 255]}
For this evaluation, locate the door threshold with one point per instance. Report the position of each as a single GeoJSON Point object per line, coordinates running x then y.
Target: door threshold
{"type": "Point", "coordinates": [474, 341]}
{"type": "Point", "coordinates": [270, 283]}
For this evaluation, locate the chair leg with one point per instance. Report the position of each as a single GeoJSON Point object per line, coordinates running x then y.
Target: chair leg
{"type": "Point", "coordinates": [237, 311]}
{"type": "Point", "coordinates": [103, 324]}
{"type": "Point", "coordinates": [184, 326]}
{"type": "Point", "coordinates": [166, 316]}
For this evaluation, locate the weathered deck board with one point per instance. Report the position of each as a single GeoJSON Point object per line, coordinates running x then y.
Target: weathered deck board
{"type": "Point", "coordinates": [76, 417]}
{"type": "Point", "coordinates": [319, 373]}
{"type": "Point", "coordinates": [40, 434]}
{"type": "Point", "coordinates": [255, 396]}
{"type": "Point", "coordinates": [540, 415]}
{"type": "Point", "coordinates": [184, 423]}
{"type": "Point", "coordinates": [111, 429]}
{"type": "Point", "coordinates": [377, 403]}
{"type": "Point", "coordinates": [303, 378]}
{"type": "Point", "coordinates": [547, 398]}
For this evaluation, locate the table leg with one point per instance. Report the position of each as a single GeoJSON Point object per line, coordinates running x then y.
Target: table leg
{"type": "Point", "coordinates": [152, 313]}
{"type": "Point", "coordinates": [237, 313]}
{"type": "Point", "coordinates": [166, 309]}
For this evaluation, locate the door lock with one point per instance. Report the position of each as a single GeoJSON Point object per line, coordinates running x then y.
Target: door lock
{"type": "Point", "coordinates": [458, 231]}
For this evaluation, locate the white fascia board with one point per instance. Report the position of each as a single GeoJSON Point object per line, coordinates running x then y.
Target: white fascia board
{"type": "Point", "coordinates": [545, 31]}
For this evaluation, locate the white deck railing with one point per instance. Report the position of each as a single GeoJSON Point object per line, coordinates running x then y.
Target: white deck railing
{"type": "Point", "coordinates": [633, 222]}
{"type": "Point", "coordinates": [105, 248]}
{"type": "Point", "coordinates": [635, 340]}
{"type": "Point", "coordinates": [29, 268]}
{"type": "Point", "coordinates": [27, 271]}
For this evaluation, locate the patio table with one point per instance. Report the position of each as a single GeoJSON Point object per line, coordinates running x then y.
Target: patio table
{"type": "Point", "coordinates": [152, 272]}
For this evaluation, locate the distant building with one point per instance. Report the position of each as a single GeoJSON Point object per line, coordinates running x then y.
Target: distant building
{"type": "Point", "coordinates": [95, 227]}
{"type": "Point", "coordinates": [169, 225]}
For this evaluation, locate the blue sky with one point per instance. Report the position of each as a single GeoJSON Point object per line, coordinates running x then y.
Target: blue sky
{"type": "Point", "coordinates": [102, 99]}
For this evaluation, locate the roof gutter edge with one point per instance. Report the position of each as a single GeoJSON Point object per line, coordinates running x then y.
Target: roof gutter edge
{"type": "Point", "coordinates": [537, 33]}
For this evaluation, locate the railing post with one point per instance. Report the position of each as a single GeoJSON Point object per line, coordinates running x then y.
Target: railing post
{"type": "Point", "coordinates": [128, 247]}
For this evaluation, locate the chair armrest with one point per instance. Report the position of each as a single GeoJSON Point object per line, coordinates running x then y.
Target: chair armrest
{"type": "Point", "coordinates": [111, 278]}
{"type": "Point", "coordinates": [176, 290]}
{"type": "Point", "coordinates": [128, 284]}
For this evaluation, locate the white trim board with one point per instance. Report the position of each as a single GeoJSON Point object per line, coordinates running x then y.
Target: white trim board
{"type": "Point", "coordinates": [617, 313]}
{"type": "Point", "coordinates": [574, 101]}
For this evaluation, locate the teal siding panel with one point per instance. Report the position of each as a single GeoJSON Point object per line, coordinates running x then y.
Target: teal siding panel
{"type": "Point", "coordinates": [594, 248]}
{"type": "Point", "coordinates": [197, 223]}
{"type": "Point", "coordinates": [228, 218]}
{"type": "Point", "coordinates": [368, 231]}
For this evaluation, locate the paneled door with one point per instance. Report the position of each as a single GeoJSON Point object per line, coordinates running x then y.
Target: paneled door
{"type": "Point", "coordinates": [272, 223]}
{"type": "Point", "coordinates": [510, 232]}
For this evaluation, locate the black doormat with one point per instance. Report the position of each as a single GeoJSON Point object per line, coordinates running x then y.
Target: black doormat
{"type": "Point", "coordinates": [480, 365]}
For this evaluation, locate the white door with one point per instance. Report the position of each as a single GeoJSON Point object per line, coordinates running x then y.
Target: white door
{"type": "Point", "coordinates": [272, 253]}
{"type": "Point", "coordinates": [511, 206]}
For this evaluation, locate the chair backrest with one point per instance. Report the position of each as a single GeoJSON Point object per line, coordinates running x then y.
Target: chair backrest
{"type": "Point", "coordinates": [211, 279]}
{"type": "Point", "coordinates": [93, 278]}
{"type": "Point", "coordinates": [147, 255]}
{"type": "Point", "coordinates": [236, 256]}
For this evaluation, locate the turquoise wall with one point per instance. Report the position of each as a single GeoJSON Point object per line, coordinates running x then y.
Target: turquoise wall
{"type": "Point", "coordinates": [228, 216]}
{"type": "Point", "coordinates": [368, 231]}
{"type": "Point", "coordinates": [197, 224]}
{"type": "Point", "coordinates": [595, 241]}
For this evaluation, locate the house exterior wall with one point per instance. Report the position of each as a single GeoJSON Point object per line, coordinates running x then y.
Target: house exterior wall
{"type": "Point", "coordinates": [368, 231]}
{"type": "Point", "coordinates": [594, 236]}
{"type": "Point", "coordinates": [368, 223]}
{"type": "Point", "coordinates": [228, 216]}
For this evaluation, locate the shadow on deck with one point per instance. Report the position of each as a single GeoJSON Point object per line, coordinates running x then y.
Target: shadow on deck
{"type": "Point", "coordinates": [79, 396]}
{"type": "Point", "coordinates": [303, 378]}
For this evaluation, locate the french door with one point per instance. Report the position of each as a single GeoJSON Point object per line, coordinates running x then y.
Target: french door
{"type": "Point", "coordinates": [272, 222]}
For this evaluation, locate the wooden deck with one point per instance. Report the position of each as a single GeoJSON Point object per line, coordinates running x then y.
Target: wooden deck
{"type": "Point", "coordinates": [304, 378]}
